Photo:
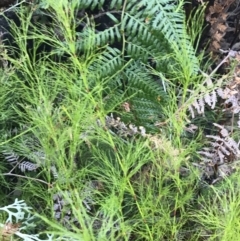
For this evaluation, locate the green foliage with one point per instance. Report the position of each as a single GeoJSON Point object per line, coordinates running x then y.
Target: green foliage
{"type": "Point", "coordinates": [93, 175]}
{"type": "Point", "coordinates": [145, 32]}
{"type": "Point", "coordinates": [219, 210]}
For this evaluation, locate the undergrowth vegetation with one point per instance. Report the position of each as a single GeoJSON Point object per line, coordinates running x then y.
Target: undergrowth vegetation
{"type": "Point", "coordinates": [116, 133]}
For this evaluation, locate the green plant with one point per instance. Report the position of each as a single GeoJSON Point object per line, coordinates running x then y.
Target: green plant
{"type": "Point", "coordinates": [97, 127]}
{"type": "Point", "coordinates": [218, 211]}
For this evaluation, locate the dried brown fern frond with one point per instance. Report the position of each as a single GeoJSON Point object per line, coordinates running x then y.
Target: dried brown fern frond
{"type": "Point", "coordinates": [122, 129]}
{"type": "Point", "coordinates": [212, 93]}
{"type": "Point", "coordinates": [217, 16]}
{"type": "Point", "coordinates": [217, 158]}
{"type": "Point", "coordinates": [205, 97]}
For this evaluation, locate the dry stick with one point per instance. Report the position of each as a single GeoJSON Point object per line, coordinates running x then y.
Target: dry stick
{"type": "Point", "coordinates": [104, 13]}
{"type": "Point", "coordinates": [230, 54]}
{"type": "Point", "coordinates": [14, 6]}
{"type": "Point", "coordinates": [31, 178]}
{"type": "Point", "coordinates": [18, 162]}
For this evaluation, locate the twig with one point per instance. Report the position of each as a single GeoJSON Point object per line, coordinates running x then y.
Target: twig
{"type": "Point", "coordinates": [14, 6]}
{"type": "Point", "coordinates": [104, 13]}
{"type": "Point", "coordinates": [31, 178]}
{"type": "Point", "coordinates": [230, 54]}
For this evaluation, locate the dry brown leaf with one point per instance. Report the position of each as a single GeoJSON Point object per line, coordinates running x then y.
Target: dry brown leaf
{"type": "Point", "coordinates": [217, 36]}
{"type": "Point", "coordinates": [215, 45]}
{"type": "Point", "coordinates": [9, 229]}
{"type": "Point", "coordinates": [222, 28]}
{"type": "Point", "coordinates": [217, 17]}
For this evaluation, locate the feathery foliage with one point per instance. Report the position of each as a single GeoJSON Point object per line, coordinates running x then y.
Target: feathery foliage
{"type": "Point", "coordinates": [95, 105]}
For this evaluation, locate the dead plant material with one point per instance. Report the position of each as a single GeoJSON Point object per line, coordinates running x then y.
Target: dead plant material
{"type": "Point", "coordinates": [8, 230]}
{"type": "Point", "coordinates": [217, 17]}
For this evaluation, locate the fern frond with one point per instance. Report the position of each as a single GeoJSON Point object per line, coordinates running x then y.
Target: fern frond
{"type": "Point", "coordinates": [222, 150]}
{"type": "Point", "coordinates": [168, 19]}
{"type": "Point", "coordinates": [108, 36]}
{"type": "Point", "coordinates": [11, 156]}
{"type": "Point", "coordinates": [62, 208]}
{"type": "Point", "coordinates": [121, 129]}
{"type": "Point", "coordinates": [113, 99]}
{"type": "Point", "coordinates": [27, 166]}
{"type": "Point", "coordinates": [141, 42]}
{"type": "Point", "coordinates": [107, 64]}
{"type": "Point", "coordinates": [142, 83]}
{"type": "Point", "coordinates": [26, 153]}
{"type": "Point", "coordinates": [14, 159]}
{"type": "Point", "coordinates": [209, 95]}
{"type": "Point", "coordinates": [91, 3]}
